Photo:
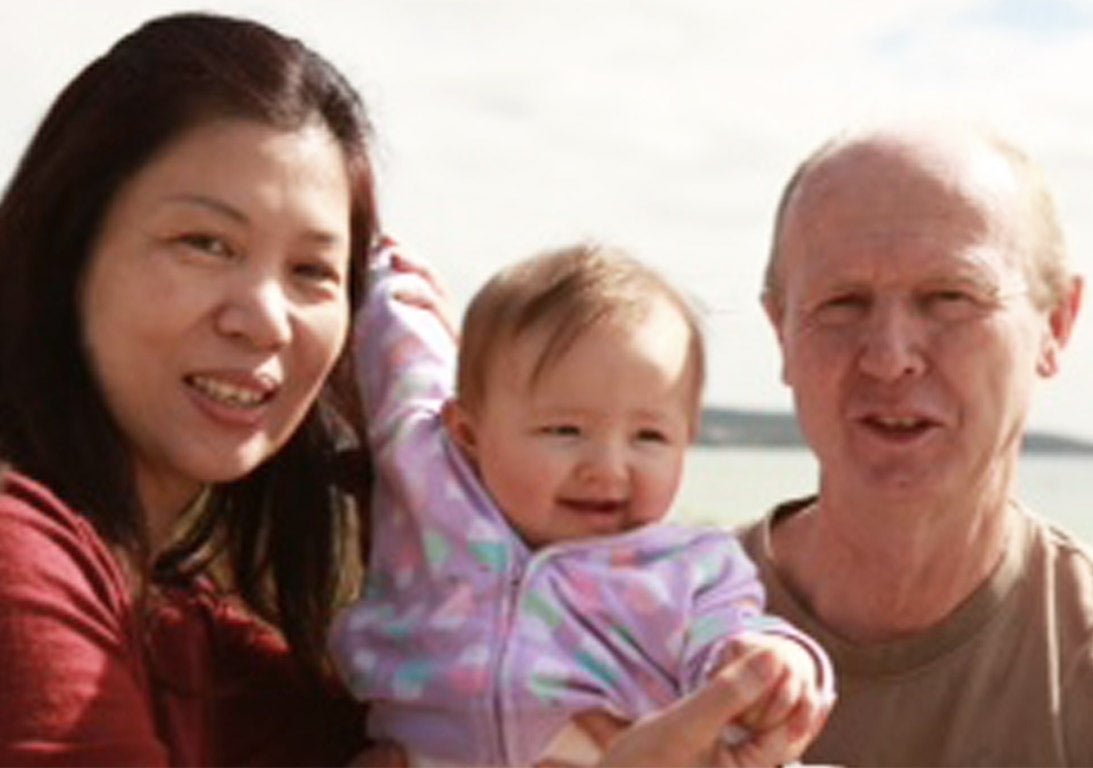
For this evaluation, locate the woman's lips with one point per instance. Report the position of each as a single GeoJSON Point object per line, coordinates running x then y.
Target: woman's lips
{"type": "Point", "coordinates": [235, 399]}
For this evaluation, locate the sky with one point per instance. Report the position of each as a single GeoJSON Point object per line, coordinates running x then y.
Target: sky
{"type": "Point", "coordinates": [667, 127]}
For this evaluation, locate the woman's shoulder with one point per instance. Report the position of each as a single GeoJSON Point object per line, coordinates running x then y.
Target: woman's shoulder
{"type": "Point", "coordinates": [25, 500]}
{"type": "Point", "coordinates": [73, 677]}
{"type": "Point", "coordinates": [46, 545]}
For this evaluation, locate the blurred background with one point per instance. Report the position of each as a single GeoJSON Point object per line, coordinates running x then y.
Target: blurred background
{"type": "Point", "coordinates": [664, 126]}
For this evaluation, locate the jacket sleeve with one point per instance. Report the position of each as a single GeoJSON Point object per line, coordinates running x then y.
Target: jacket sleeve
{"type": "Point", "coordinates": [729, 600]}
{"type": "Point", "coordinates": [405, 356]}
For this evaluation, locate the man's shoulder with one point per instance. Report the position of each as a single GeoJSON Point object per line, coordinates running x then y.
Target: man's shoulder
{"type": "Point", "coordinates": [1060, 549]}
{"type": "Point", "coordinates": [754, 535]}
{"type": "Point", "coordinates": [1060, 570]}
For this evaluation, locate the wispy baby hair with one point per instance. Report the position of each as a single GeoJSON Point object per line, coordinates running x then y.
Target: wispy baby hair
{"type": "Point", "coordinates": [566, 291]}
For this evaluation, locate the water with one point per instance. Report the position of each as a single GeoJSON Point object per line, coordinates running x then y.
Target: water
{"type": "Point", "coordinates": [729, 485]}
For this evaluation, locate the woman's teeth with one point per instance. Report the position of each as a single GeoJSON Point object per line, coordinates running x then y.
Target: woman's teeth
{"type": "Point", "coordinates": [228, 394]}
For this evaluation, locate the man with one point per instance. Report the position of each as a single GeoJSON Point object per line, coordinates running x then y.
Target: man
{"type": "Point", "coordinates": [918, 288]}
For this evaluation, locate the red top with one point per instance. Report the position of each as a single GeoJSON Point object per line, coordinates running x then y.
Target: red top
{"type": "Point", "coordinates": [209, 685]}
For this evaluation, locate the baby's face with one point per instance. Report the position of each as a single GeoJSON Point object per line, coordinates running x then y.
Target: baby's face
{"type": "Point", "coordinates": [596, 444]}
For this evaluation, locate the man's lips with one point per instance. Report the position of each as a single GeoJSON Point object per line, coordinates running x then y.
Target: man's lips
{"type": "Point", "coordinates": [901, 426]}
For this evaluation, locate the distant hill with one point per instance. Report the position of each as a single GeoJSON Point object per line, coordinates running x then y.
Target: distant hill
{"type": "Point", "coordinates": [734, 427]}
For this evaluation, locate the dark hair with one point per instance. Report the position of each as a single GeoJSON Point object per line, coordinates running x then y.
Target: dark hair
{"type": "Point", "coordinates": [283, 528]}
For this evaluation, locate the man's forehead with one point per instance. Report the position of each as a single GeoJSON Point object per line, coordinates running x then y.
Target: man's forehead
{"type": "Point", "coordinates": [888, 166]}
{"type": "Point", "coordinates": [887, 191]}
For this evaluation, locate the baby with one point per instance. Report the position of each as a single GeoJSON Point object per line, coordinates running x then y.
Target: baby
{"type": "Point", "coordinates": [521, 572]}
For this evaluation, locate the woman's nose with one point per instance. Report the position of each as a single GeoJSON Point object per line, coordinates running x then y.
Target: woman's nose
{"type": "Point", "coordinates": [257, 311]}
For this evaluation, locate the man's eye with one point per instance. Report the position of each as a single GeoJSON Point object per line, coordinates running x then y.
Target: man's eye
{"type": "Point", "coordinates": [953, 305]}
{"type": "Point", "coordinates": [841, 309]}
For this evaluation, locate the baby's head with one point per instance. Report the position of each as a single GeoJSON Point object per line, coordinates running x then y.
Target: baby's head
{"type": "Point", "coordinates": [579, 389]}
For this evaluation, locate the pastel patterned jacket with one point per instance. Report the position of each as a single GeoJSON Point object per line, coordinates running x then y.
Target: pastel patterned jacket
{"type": "Point", "coordinates": [473, 650]}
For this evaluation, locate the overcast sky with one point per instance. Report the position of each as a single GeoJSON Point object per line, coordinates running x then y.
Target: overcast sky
{"type": "Point", "coordinates": [668, 126]}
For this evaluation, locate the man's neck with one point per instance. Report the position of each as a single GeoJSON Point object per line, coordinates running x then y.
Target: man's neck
{"type": "Point", "coordinates": [875, 575]}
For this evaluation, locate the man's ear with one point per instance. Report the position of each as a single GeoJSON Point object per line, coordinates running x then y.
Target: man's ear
{"type": "Point", "coordinates": [775, 310]}
{"type": "Point", "coordinates": [1060, 324]}
{"type": "Point", "coordinates": [461, 427]}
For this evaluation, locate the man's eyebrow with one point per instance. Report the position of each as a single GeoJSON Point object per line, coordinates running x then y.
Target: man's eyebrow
{"type": "Point", "coordinates": [972, 276]}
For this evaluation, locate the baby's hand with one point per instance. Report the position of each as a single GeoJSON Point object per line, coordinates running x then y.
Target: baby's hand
{"type": "Point", "coordinates": [432, 296]}
{"type": "Point", "coordinates": [794, 701]}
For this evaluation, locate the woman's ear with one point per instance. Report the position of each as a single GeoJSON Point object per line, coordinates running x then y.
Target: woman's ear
{"type": "Point", "coordinates": [461, 427]}
{"type": "Point", "coordinates": [1060, 324]}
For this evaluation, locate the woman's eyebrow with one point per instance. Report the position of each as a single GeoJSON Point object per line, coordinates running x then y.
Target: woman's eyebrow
{"type": "Point", "coordinates": [320, 236]}
{"type": "Point", "coordinates": [204, 201]}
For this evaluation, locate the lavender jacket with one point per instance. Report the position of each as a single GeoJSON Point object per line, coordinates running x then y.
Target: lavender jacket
{"type": "Point", "coordinates": [469, 648]}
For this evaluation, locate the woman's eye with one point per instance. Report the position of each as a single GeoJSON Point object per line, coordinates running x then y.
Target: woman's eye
{"type": "Point", "coordinates": [210, 244]}
{"type": "Point", "coordinates": [317, 272]}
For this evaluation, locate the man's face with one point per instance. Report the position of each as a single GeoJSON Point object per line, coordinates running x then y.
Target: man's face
{"type": "Point", "coordinates": [908, 335]}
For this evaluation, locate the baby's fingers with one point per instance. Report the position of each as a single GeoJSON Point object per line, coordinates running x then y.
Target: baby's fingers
{"type": "Point", "coordinates": [400, 262]}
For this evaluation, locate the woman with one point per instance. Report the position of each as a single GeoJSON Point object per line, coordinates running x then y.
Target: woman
{"type": "Point", "coordinates": [180, 254]}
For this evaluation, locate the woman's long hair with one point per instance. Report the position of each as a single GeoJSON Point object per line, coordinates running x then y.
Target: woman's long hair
{"type": "Point", "coordinates": [283, 528]}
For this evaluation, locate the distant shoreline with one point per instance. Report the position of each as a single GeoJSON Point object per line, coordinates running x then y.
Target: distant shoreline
{"type": "Point", "coordinates": [737, 427]}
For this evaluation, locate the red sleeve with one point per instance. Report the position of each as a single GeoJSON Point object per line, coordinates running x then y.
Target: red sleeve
{"type": "Point", "coordinates": [73, 684]}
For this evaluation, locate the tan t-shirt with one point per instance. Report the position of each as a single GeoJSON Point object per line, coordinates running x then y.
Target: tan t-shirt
{"type": "Point", "coordinates": [1006, 679]}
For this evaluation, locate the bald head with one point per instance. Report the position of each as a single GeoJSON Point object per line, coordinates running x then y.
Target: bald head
{"type": "Point", "coordinates": [871, 175]}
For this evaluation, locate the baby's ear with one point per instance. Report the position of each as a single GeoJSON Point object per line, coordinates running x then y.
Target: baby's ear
{"type": "Point", "coordinates": [461, 427]}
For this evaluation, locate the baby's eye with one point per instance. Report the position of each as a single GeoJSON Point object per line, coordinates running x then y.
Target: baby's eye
{"type": "Point", "coordinates": [652, 436]}
{"type": "Point", "coordinates": [561, 430]}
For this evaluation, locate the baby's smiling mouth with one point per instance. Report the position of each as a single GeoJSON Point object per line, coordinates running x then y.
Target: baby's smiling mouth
{"type": "Point", "coordinates": [595, 506]}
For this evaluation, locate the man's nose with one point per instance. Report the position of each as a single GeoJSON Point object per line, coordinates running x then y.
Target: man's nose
{"type": "Point", "coordinates": [892, 342]}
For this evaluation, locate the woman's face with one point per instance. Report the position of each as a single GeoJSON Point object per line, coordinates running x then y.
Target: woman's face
{"type": "Point", "coordinates": [216, 300]}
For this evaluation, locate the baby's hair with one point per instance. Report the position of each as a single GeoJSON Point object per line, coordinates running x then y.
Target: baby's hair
{"type": "Point", "coordinates": [566, 290]}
